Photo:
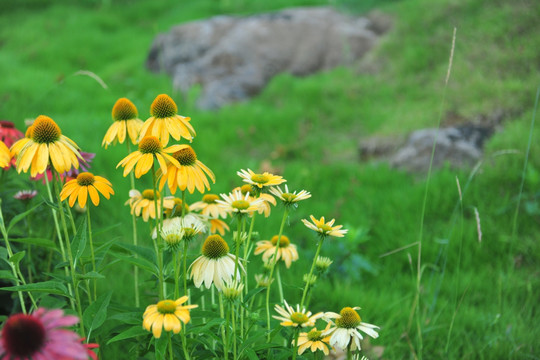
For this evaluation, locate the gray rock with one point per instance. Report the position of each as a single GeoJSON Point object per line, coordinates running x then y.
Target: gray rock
{"type": "Point", "coordinates": [459, 146]}
{"type": "Point", "coordinates": [233, 58]}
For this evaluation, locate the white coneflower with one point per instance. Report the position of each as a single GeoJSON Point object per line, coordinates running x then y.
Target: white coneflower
{"type": "Point", "coordinates": [289, 198]}
{"type": "Point", "coordinates": [299, 317]}
{"type": "Point", "coordinates": [239, 204]}
{"type": "Point", "coordinates": [215, 265]}
{"type": "Point", "coordinates": [347, 327]}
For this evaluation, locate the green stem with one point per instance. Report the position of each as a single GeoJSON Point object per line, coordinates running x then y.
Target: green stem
{"type": "Point", "coordinates": [280, 285]}
{"type": "Point", "coordinates": [171, 354]}
{"type": "Point", "coordinates": [224, 328]}
{"type": "Point", "coordinates": [60, 240]}
{"type": "Point", "coordinates": [134, 227]}
{"type": "Point", "coordinates": [184, 343]}
{"type": "Point", "coordinates": [308, 282]}
{"type": "Point", "coordinates": [94, 281]}
{"type": "Point", "coordinates": [274, 261]}
{"type": "Point", "coordinates": [349, 351]}
{"type": "Point", "coordinates": [70, 255]}
{"type": "Point", "coordinates": [176, 275]}
{"type": "Point", "coordinates": [247, 250]}
{"type": "Point", "coordinates": [295, 346]}
{"type": "Point", "coordinates": [237, 250]}
{"type": "Point", "coordinates": [159, 253]}
{"type": "Point", "coordinates": [233, 320]}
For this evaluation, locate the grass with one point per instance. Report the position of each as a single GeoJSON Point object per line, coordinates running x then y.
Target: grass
{"type": "Point", "coordinates": [45, 43]}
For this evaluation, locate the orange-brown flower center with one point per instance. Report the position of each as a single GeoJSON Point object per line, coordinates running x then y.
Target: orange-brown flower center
{"type": "Point", "coordinates": [45, 130]}
{"type": "Point", "coordinates": [150, 145]}
{"type": "Point", "coordinates": [85, 179]}
{"type": "Point", "coordinates": [124, 109]}
{"type": "Point", "coordinates": [283, 242]}
{"type": "Point", "coordinates": [163, 107]}
{"type": "Point", "coordinates": [210, 198]}
{"type": "Point", "coordinates": [215, 247]}
{"type": "Point", "coordinates": [349, 318]}
{"type": "Point", "coordinates": [166, 306]}
{"type": "Point", "coordinates": [186, 156]}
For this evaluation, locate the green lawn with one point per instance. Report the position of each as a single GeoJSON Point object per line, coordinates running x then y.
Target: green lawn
{"type": "Point", "coordinates": [309, 129]}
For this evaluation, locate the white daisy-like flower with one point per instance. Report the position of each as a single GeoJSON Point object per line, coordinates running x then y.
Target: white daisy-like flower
{"type": "Point", "coordinates": [209, 207]}
{"type": "Point", "coordinates": [346, 328]}
{"type": "Point", "coordinates": [325, 228]}
{"type": "Point", "coordinates": [299, 317]}
{"type": "Point", "coordinates": [216, 265]}
{"type": "Point", "coordinates": [289, 198]}
{"type": "Point", "coordinates": [260, 180]}
{"type": "Point", "coordinates": [239, 204]}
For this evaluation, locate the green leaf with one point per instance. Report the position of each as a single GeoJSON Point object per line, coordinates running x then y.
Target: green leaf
{"type": "Point", "coordinates": [5, 274]}
{"type": "Point", "coordinates": [143, 252]}
{"type": "Point", "coordinates": [94, 316]}
{"type": "Point", "coordinates": [37, 241]}
{"type": "Point", "coordinates": [131, 318]}
{"type": "Point", "coordinates": [140, 262]}
{"type": "Point", "coordinates": [51, 287]}
{"type": "Point", "coordinates": [79, 241]}
{"type": "Point", "coordinates": [21, 216]}
{"type": "Point", "coordinates": [16, 258]}
{"type": "Point", "coordinates": [129, 333]}
{"type": "Point", "coordinates": [90, 275]}
{"type": "Point", "coordinates": [161, 345]}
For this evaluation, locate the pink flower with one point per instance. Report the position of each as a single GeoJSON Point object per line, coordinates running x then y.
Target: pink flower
{"type": "Point", "coordinates": [8, 133]}
{"type": "Point", "coordinates": [40, 336]}
{"type": "Point", "coordinates": [25, 195]}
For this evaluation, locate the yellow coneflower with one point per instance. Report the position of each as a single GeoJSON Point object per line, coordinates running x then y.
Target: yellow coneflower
{"type": "Point", "coordinates": [84, 185]}
{"type": "Point", "coordinates": [176, 210]}
{"type": "Point", "coordinates": [144, 204]}
{"type": "Point", "coordinates": [19, 144]}
{"type": "Point", "coordinates": [47, 144]}
{"type": "Point", "coordinates": [296, 318]}
{"type": "Point", "coordinates": [239, 204]}
{"type": "Point", "coordinates": [209, 207]}
{"type": "Point", "coordinates": [215, 265]}
{"type": "Point", "coordinates": [285, 250]}
{"type": "Point", "coordinates": [125, 120]}
{"type": "Point", "coordinates": [260, 180]}
{"type": "Point", "coordinates": [5, 155]}
{"type": "Point", "coordinates": [189, 174]}
{"type": "Point", "coordinates": [149, 148]}
{"type": "Point", "coordinates": [314, 340]}
{"type": "Point", "coordinates": [165, 121]}
{"type": "Point", "coordinates": [218, 226]}
{"type": "Point", "coordinates": [168, 315]}
{"type": "Point", "coordinates": [325, 228]}
{"type": "Point", "coordinates": [347, 327]}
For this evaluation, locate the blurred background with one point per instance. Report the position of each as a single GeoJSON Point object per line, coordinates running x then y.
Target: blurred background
{"type": "Point", "coordinates": [351, 129]}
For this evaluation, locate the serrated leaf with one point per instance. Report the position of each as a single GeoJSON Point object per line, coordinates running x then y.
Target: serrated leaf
{"type": "Point", "coordinates": [21, 216]}
{"type": "Point", "coordinates": [94, 316]}
{"type": "Point", "coordinates": [16, 258]}
{"type": "Point", "coordinates": [37, 241]}
{"type": "Point", "coordinates": [129, 333]}
{"type": "Point", "coordinates": [51, 287]}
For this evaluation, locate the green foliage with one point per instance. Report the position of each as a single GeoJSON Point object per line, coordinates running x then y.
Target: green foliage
{"type": "Point", "coordinates": [308, 129]}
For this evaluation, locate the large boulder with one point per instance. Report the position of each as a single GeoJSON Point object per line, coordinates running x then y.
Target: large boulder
{"type": "Point", "coordinates": [233, 58]}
